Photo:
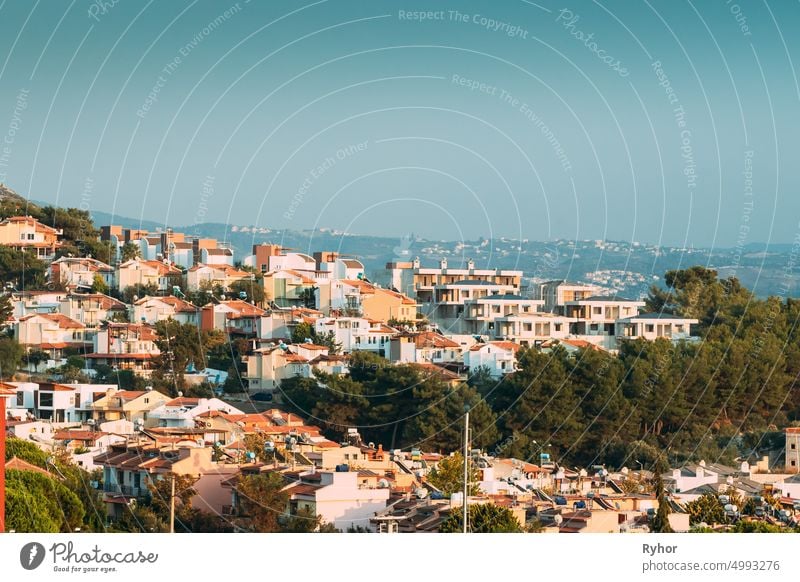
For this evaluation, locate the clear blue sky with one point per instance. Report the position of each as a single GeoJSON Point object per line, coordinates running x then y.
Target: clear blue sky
{"type": "Point", "coordinates": [534, 120]}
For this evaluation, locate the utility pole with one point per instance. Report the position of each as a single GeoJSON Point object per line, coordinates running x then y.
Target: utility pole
{"type": "Point", "coordinates": [466, 468]}
{"type": "Point", "coordinates": [172, 506]}
{"type": "Point", "coordinates": [3, 394]}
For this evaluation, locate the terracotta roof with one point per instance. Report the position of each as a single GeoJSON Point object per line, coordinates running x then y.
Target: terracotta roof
{"type": "Point", "coordinates": [312, 347]}
{"type": "Point", "coordinates": [511, 346]}
{"type": "Point", "coordinates": [121, 356]}
{"type": "Point", "coordinates": [180, 305]}
{"type": "Point", "coordinates": [433, 369]}
{"type": "Point", "coordinates": [104, 301]}
{"type": "Point", "coordinates": [30, 220]}
{"type": "Point", "coordinates": [77, 435]}
{"type": "Point", "coordinates": [363, 286]}
{"type": "Point", "coordinates": [17, 464]}
{"type": "Point", "coordinates": [130, 394]}
{"type": "Point", "coordinates": [161, 268]}
{"type": "Point", "coordinates": [55, 387]}
{"type": "Point", "coordinates": [431, 339]}
{"type": "Point", "coordinates": [143, 331]}
{"type": "Point", "coordinates": [183, 401]}
{"type": "Point", "coordinates": [59, 319]}
{"type": "Point", "coordinates": [578, 343]}
{"type": "Point", "coordinates": [242, 308]}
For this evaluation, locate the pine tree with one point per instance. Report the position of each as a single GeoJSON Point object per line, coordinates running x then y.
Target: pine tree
{"type": "Point", "coordinates": [660, 522]}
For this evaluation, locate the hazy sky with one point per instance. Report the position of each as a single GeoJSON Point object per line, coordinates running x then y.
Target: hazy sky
{"type": "Point", "coordinates": [661, 121]}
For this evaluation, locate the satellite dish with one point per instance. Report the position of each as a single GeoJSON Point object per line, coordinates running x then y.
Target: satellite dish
{"type": "Point", "coordinates": [558, 519]}
{"type": "Point", "coordinates": [421, 493]}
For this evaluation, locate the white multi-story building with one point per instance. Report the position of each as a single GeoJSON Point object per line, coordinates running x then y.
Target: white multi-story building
{"type": "Point", "coordinates": [651, 326]}
{"type": "Point", "coordinates": [499, 357]}
{"type": "Point", "coordinates": [357, 333]}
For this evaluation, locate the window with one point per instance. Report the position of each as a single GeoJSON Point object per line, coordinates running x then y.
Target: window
{"type": "Point", "coordinates": [649, 328]}
{"type": "Point", "coordinates": [794, 446]}
{"type": "Point", "coordinates": [597, 310]}
{"type": "Point", "coordinates": [147, 400]}
{"type": "Point", "coordinates": [46, 399]}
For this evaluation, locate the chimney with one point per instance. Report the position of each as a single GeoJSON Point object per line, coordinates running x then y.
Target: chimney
{"type": "Point", "coordinates": [470, 264]}
{"type": "Point", "coordinates": [443, 263]}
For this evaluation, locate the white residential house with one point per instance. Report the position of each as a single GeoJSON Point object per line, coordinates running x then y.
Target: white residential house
{"type": "Point", "coordinates": [147, 272]}
{"type": "Point", "coordinates": [218, 256]}
{"type": "Point", "coordinates": [480, 314]}
{"type": "Point", "coordinates": [66, 402]}
{"type": "Point", "coordinates": [268, 366]}
{"type": "Point", "coordinates": [233, 317]}
{"type": "Point", "coordinates": [207, 276]}
{"type": "Point", "coordinates": [337, 498]}
{"type": "Point", "coordinates": [424, 347]}
{"type": "Point", "coordinates": [51, 333]}
{"type": "Point", "coordinates": [153, 309]}
{"type": "Point", "coordinates": [556, 294]}
{"type": "Point", "coordinates": [651, 326]}
{"type": "Point", "coordinates": [416, 281]}
{"type": "Point", "coordinates": [91, 309]}
{"type": "Point", "coordinates": [598, 314]}
{"type": "Point", "coordinates": [689, 477]}
{"type": "Point", "coordinates": [183, 412]}
{"type": "Point", "coordinates": [530, 329]}
{"type": "Point", "coordinates": [54, 401]}
{"type": "Point", "coordinates": [357, 333]}
{"type": "Point", "coordinates": [30, 302]}
{"type": "Point", "coordinates": [79, 272]}
{"type": "Point", "coordinates": [500, 357]}
{"type": "Point", "coordinates": [125, 346]}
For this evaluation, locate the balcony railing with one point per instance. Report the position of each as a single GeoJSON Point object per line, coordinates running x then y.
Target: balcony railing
{"type": "Point", "coordinates": [123, 489]}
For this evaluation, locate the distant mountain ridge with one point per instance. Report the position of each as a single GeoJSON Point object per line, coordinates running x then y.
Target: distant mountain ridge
{"type": "Point", "coordinates": [621, 266]}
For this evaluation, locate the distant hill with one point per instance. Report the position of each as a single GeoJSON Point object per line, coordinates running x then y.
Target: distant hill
{"type": "Point", "coordinates": [8, 195]}
{"type": "Point", "coordinates": [625, 267]}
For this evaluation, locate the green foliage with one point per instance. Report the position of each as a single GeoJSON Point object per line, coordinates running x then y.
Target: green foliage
{"type": "Point", "coordinates": [746, 526]}
{"type": "Point", "coordinates": [448, 476]}
{"type": "Point", "coordinates": [181, 344]}
{"type": "Point", "coordinates": [304, 331]}
{"type": "Point", "coordinates": [138, 290]}
{"type": "Point", "coordinates": [22, 268]}
{"type": "Point", "coordinates": [483, 518]}
{"type": "Point", "coordinates": [129, 252]}
{"type": "Point", "coordinates": [254, 289]}
{"type": "Point", "coordinates": [301, 332]}
{"type": "Point", "coordinates": [10, 356]}
{"type": "Point", "coordinates": [262, 503]}
{"type": "Point", "coordinates": [25, 450]}
{"type": "Point", "coordinates": [706, 509]}
{"type": "Point", "coordinates": [660, 522]}
{"type": "Point", "coordinates": [99, 285]}
{"type": "Point", "coordinates": [53, 504]}
{"type": "Point", "coordinates": [397, 405]}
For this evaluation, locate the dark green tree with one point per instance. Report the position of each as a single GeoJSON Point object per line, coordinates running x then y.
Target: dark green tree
{"type": "Point", "coordinates": [483, 518]}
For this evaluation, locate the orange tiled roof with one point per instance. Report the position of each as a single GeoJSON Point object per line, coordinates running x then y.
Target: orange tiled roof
{"type": "Point", "coordinates": [59, 319]}
{"type": "Point", "coordinates": [17, 464]}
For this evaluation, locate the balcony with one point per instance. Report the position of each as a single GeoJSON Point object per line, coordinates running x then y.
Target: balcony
{"type": "Point", "coordinates": [127, 490]}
